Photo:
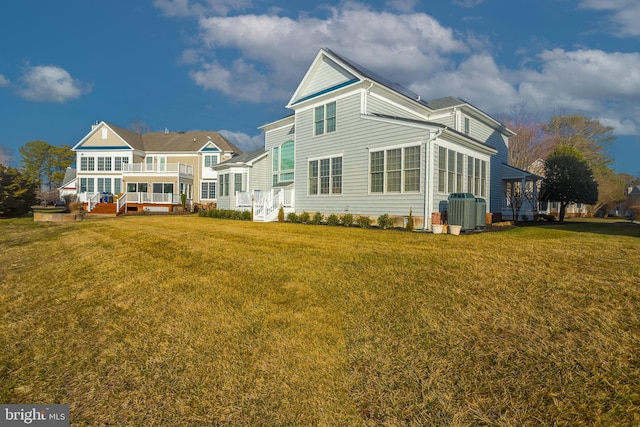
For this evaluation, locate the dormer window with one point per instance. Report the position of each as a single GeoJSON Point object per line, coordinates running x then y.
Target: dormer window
{"type": "Point", "coordinates": [466, 125]}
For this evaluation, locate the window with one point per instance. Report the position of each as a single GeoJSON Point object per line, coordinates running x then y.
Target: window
{"type": "Point", "coordinates": [137, 187]}
{"type": "Point", "coordinates": [466, 125]}
{"type": "Point", "coordinates": [224, 185]}
{"type": "Point", "coordinates": [476, 175]}
{"type": "Point", "coordinates": [102, 186]}
{"type": "Point", "coordinates": [336, 175]}
{"type": "Point", "coordinates": [395, 170]}
{"type": "Point", "coordinates": [377, 172]}
{"type": "Point", "coordinates": [412, 169]}
{"type": "Point", "coordinates": [117, 185]}
{"type": "Point", "coordinates": [163, 187]}
{"type": "Point", "coordinates": [208, 190]}
{"type": "Point", "coordinates": [459, 172]}
{"type": "Point", "coordinates": [210, 160]}
{"type": "Point", "coordinates": [325, 176]}
{"type": "Point", "coordinates": [237, 182]}
{"type": "Point", "coordinates": [87, 164]}
{"type": "Point", "coordinates": [451, 171]}
{"type": "Point", "coordinates": [149, 163]}
{"type": "Point", "coordinates": [86, 185]}
{"type": "Point", "coordinates": [313, 177]}
{"type": "Point", "coordinates": [470, 163]}
{"type": "Point", "coordinates": [119, 161]}
{"type": "Point", "coordinates": [325, 118]}
{"type": "Point", "coordinates": [283, 162]}
{"type": "Point", "coordinates": [483, 179]}
{"type": "Point", "coordinates": [442, 169]}
{"type": "Point", "coordinates": [104, 163]}
{"type": "Point", "coordinates": [104, 133]}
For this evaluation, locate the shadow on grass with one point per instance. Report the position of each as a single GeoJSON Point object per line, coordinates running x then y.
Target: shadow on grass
{"type": "Point", "coordinates": [614, 227]}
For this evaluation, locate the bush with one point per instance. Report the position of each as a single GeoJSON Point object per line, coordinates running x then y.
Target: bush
{"type": "Point", "coordinates": [246, 216]}
{"type": "Point", "coordinates": [281, 214]}
{"type": "Point", "coordinates": [292, 217]}
{"type": "Point", "coordinates": [347, 220]}
{"type": "Point", "coordinates": [364, 221]}
{"type": "Point", "coordinates": [317, 218]}
{"type": "Point", "coordinates": [226, 214]}
{"type": "Point", "coordinates": [304, 217]}
{"type": "Point", "coordinates": [384, 221]}
{"type": "Point", "coordinates": [544, 217]}
{"type": "Point", "coordinates": [410, 224]}
{"type": "Point", "coordinates": [333, 220]}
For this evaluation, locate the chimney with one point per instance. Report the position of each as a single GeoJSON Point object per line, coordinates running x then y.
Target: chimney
{"type": "Point", "coordinates": [93, 126]}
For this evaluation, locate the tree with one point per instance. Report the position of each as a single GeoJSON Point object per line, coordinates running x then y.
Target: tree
{"type": "Point", "coordinates": [34, 160]}
{"type": "Point", "coordinates": [5, 158]}
{"type": "Point", "coordinates": [589, 137]}
{"type": "Point", "coordinates": [568, 179]}
{"type": "Point", "coordinates": [45, 163]}
{"type": "Point", "coordinates": [17, 192]}
{"type": "Point", "coordinates": [529, 143]}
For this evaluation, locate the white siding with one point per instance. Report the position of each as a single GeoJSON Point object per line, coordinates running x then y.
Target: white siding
{"type": "Point", "coordinates": [327, 75]}
{"type": "Point", "coordinates": [353, 140]}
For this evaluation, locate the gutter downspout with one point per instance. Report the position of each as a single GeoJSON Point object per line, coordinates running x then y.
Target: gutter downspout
{"type": "Point", "coordinates": [428, 186]}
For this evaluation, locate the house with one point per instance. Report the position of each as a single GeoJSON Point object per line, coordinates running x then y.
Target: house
{"type": "Point", "coordinates": [358, 143]}
{"type": "Point", "coordinates": [133, 172]}
{"type": "Point", "coordinates": [68, 187]}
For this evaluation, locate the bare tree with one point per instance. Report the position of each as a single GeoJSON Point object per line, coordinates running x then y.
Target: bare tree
{"type": "Point", "coordinates": [529, 143]}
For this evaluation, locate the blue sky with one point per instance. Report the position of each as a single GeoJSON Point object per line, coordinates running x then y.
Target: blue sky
{"type": "Point", "coordinates": [231, 65]}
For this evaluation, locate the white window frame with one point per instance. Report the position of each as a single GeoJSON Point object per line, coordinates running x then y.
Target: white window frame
{"type": "Point", "coordinates": [385, 172]}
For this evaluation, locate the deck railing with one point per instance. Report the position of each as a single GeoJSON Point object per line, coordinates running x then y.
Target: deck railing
{"type": "Point", "coordinates": [168, 168]}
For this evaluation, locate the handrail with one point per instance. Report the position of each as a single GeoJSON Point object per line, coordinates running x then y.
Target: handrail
{"type": "Point", "coordinates": [143, 168]}
{"type": "Point", "coordinates": [93, 200]}
{"type": "Point", "coordinates": [121, 202]}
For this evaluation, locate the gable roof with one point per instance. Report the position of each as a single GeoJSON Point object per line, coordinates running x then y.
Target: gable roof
{"type": "Point", "coordinates": [186, 141]}
{"type": "Point", "coordinates": [244, 158]}
{"type": "Point", "coordinates": [191, 141]}
{"type": "Point", "coordinates": [69, 175]}
{"type": "Point", "coordinates": [361, 73]}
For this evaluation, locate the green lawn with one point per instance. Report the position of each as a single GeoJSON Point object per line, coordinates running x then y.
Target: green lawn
{"type": "Point", "coordinates": [183, 320]}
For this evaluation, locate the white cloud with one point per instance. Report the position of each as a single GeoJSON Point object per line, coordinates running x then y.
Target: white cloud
{"type": "Point", "coordinates": [625, 15]}
{"type": "Point", "coordinates": [273, 52]}
{"type": "Point", "coordinates": [587, 81]}
{"type": "Point", "coordinates": [50, 83]}
{"type": "Point", "coordinates": [4, 81]}
{"type": "Point", "coordinates": [277, 50]}
{"type": "Point", "coordinates": [243, 141]}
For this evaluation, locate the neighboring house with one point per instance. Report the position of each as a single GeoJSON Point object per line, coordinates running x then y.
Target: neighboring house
{"type": "Point", "coordinates": [358, 143]}
{"type": "Point", "coordinates": [148, 171]}
{"type": "Point", "coordinates": [68, 187]}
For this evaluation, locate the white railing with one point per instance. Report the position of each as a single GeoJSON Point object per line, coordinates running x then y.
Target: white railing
{"type": "Point", "coordinates": [149, 198]}
{"type": "Point", "coordinates": [92, 200]}
{"type": "Point", "coordinates": [168, 168]}
{"type": "Point", "coordinates": [266, 204]}
{"type": "Point", "coordinates": [121, 203]}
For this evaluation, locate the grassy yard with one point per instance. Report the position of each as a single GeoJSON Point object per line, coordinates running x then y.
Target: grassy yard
{"type": "Point", "coordinates": [189, 321]}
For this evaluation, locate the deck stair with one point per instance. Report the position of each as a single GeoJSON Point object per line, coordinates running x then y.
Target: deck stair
{"type": "Point", "coordinates": [104, 209]}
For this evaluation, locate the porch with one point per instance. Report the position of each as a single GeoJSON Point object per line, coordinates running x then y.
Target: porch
{"type": "Point", "coordinates": [266, 204]}
{"type": "Point", "coordinates": [132, 202]}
